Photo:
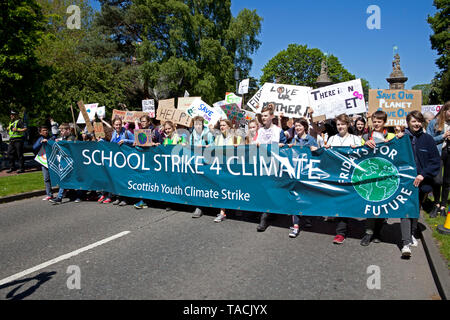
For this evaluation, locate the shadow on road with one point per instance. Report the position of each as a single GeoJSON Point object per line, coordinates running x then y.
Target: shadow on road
{"type": "Point", "coordinates": [40, 278]}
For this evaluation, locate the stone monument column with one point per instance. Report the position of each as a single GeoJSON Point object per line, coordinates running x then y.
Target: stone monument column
{"type": "Point", "coordinates": [397, 79]}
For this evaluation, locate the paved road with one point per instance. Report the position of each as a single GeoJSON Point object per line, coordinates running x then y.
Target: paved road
{"type": "Point", "coordinates": [169, 255]}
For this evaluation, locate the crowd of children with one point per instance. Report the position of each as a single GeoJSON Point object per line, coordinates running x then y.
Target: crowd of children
{"type": "Point", "coordinates": [430, 140]}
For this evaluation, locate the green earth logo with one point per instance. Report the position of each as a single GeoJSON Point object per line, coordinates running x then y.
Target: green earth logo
{"type": "Point", "coordinates": [142, 138]}
{"type": "Point", "coordinates": [384, 179]}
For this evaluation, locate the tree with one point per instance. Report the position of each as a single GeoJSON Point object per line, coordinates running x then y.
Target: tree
{"type": "Point", "coordinates": [83, 65]}
{"type": "Point", "coordinates": [426, 90]}
{"type": "Point", "coordinates": [299, 65]}
{"type": "Point", "coordinates": [440, 41]}
{"type": "Point", "coordinates": [21, 30]}
{"type": "Point", "coordinates": [180, 45]}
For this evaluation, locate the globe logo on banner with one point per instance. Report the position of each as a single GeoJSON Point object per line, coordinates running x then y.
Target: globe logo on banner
{"type": "Point", "coordinates": [384, 178]}
{"type": "Point", "coordinates": [60, 162]}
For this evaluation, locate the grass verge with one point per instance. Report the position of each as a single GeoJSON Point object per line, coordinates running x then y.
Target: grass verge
{"type": "Point", "coordinates": [21, 183]}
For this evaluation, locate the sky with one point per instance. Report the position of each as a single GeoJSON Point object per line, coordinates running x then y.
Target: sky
{"type": "Point", "coordinates": [339, 27]}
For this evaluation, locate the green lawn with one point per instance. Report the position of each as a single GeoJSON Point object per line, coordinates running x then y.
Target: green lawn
{"type": "Point", "coordinates": [442, 239]}
{"type": "Point", "coordinates": [21, 183]}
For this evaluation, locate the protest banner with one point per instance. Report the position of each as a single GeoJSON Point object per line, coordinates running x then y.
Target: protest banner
{"type": "Point", "coordinates": [90, 110]}
{"type": "Point", "coordinates": [202, 109]}
{"type": "Point", "coordinates": [292, 101]}
{"type": "Point", "coordinates": [86, 116]}
{"type": "Point", "coordinates": [231, 98]}
{"type": "Point", "coordinates": [118, 114]}
{"type": "Point", "coordinates": [331, 101]}
{"type": "Point", "coordinates": [129, 116]}
{"type": "Point", "coordinates": [101, 112]}
{"type": "Point", "coordinates": [434, 109]}
{"type": "Point", "coordinates": [243, 86]}
{"type": "Point", "coordinates": [176, 116]}
{"type": "Point", "coordinates": [396, 103]}
{"type": "Point", "coordinates": [143, 137]}
{"type": "Point", "coordinates": [185, 102]}
{"type": "Point", "coordinates": [41, 157]}
{"type": "Point", "coordinates": [166, 103]}
{"type": "Point", "coordinates": [341, 182]}
{"type": "Point", "coordinates": [148, 106]}
{"type": "Point", "coordinates": [99, 130]}
{"type": "Point", "coordinates": [253, 103]}
{"type": "Point", "coordinates": [233, 113]}
{"type": "Point", "coordinates": [137, 115]}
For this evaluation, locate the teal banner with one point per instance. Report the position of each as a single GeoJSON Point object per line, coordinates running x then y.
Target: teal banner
{"type": "Point", "coordinates": [340, 182]}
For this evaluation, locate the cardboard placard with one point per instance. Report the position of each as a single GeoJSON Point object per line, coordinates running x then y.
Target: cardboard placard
{"type": "Point", "coordinates": [99, 130]}
{"type": "Point", "coordinates": [253, 103]}
{"type": "Point", "coordinates": [396, 103]}
{"type": "Point", "coordinates": [174, 115]}
{"type": "Point", "coordinates": [118, 113]}
{"type": "Point", "coordinates": [86, 116]}
{"type": "Point", "coordinates": [143, 137]}
{"type": "Point", "coordinates": [129, 116]}
{"type": "Point", "coordinates": [166, 103]}
{"type": "Point", "coordinates": [331, 101]}
{"type": "Point", "coordinates": [185, 102]}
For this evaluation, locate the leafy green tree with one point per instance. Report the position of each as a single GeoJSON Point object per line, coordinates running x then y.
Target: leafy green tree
{"type": "Point", "coordinates": [21, 29]}
{"type": "Point", "coordinates": [426, 90]}
{"type": "Point", "coordinates": [180, 45]}
{"type": "Point", "coordinates": [440, 41]}
{"type": "Point", "coordinates": [300, 65]}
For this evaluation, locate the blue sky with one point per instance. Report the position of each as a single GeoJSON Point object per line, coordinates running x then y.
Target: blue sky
{"type": "Point", "coordinates": [339, 28]}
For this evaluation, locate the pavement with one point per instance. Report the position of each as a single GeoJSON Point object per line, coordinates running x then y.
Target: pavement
{"type": "Point", "coordinates": [166, 255]}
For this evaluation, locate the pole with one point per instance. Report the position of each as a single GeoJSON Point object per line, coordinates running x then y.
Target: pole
{"type": "Point", "coordinates": [74, 124]}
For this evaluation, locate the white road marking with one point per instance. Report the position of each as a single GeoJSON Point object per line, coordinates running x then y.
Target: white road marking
{"type": "Point", "coordinates": [61, 258]}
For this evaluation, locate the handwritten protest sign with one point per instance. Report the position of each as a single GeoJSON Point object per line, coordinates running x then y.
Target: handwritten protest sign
{"type": "Point", "coordinates": [434, 109]}
{"type": "Point", "coordinates": [143, 137]}
{"type": "Point", "coordinates": [90, 109]}
{"type": "Point", "coordinates": [129, 116]}
{"type": "Point", "coordinates": [396, 103]}
{"type": "Point", "coordinates": [174, 115]}
{"type": "Point", "coordinates": [345, 97]}
{"type": "Point", "coordinates": [185, 102]}
{"type": "Point", "coordinates": [231, 98]}
{"type": "Point", "coordinates": [243, 86]}
{"type": "Point", "coordinates": [253, 103]}
{"type": "Point", "coordinates": [86, 115]}
{"type": "Point", "coordinates": [99, 130]}
{"type": "Point", "coordinates": [169, 103]}
{"type": "Point", "coordinates": [233, 113]}
{"type": "Point", "coordinates": [148, 106]}
{"type": "Point", "coordinates": [210, 114]}
{"type": "Point", "coordinates": [101, 112]}
{"type": "Point", "coordinates": [292, 101]}
{"type": "Point", "coordinates": [119, 114]}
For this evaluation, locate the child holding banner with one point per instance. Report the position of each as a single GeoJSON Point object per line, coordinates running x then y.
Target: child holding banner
{"type": "Point", "coordinates": [439, 129]}
{"type": "Point", "coordinates": [200, 137]}
{"type": "Point", "coordinates": [65, 135]}
{"type": "Point", "coordinates": [225, 138]}
{"type": "Point", "coordinates": [427, 161]}
{"type": "Point", "coordinates": [342, 139]}
{"type": "Point", "coordinates": [172, 136]}
{"type": "Point", "coordinates": [40, 142]}
{"type": "Point", "coordinates": [120, 136]}
{"type": "Point", "coordinates": [252, 134]}
{"type": "Point", "coordinates": [379, 134]}
{"type": "Point", "coordinates": [303, 139]}
{"type": "Point", "coordinates": [268, 134]}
